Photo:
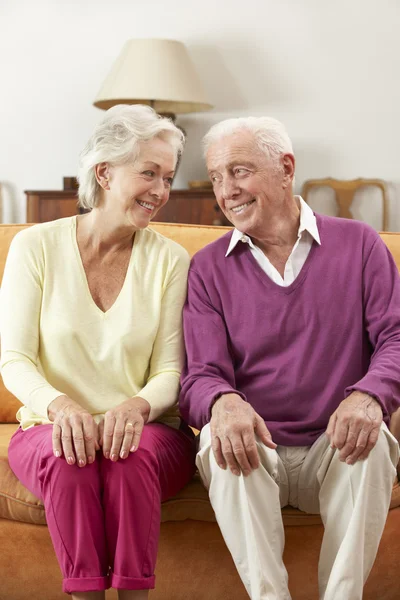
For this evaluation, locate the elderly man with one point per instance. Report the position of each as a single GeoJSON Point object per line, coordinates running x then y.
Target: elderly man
{"type": "Point", "coordinates": [292, 330]}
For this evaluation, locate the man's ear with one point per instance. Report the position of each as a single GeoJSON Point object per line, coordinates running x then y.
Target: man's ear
{"type": "Point", "coordinates": [289, 166]}
{"type": "Point", "coordinates": [102, 172]}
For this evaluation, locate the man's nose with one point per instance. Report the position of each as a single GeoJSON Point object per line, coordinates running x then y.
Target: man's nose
{"type": "Point", "coordinates": [229, 188]}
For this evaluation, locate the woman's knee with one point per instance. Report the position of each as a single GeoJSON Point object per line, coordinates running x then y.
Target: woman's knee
{"type": "Point", "coordinates": [140, 463]}
{"type": "Point", "coordinates": [69, 477]}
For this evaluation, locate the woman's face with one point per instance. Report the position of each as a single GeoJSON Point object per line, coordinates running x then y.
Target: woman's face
{"type": "Point", "coordinates": [138, 190]}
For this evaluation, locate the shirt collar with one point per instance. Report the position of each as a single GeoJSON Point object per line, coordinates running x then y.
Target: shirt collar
{"type": "Point", "coordinates": [308, 222]}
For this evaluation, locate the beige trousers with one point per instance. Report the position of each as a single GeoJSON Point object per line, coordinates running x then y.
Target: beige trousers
{"type": "Point", "coordinates": [353, 502]}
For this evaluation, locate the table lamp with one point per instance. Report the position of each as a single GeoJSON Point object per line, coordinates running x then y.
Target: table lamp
{"type": "Point", "coordinates": [155, 72]}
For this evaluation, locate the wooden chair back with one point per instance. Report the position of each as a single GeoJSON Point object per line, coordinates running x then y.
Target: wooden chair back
{"type": "Point", "coordinates": [345, 191]}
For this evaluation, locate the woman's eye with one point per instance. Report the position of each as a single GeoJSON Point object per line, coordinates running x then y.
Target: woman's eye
{"type": "Point", "coordinates": [149, 173]}
{"type": "Point", "coordinates": [169, 180]}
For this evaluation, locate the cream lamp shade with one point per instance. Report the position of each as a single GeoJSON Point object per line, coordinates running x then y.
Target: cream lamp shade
{"type": "Point", "coordinates": [155, 72]}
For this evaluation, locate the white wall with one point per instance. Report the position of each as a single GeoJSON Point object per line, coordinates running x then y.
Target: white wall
{"type": "Point", "coordinates": [329, 70]}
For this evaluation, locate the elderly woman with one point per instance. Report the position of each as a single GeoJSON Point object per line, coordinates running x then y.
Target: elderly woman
{"type": "Point", "coordinates": [92, 346]}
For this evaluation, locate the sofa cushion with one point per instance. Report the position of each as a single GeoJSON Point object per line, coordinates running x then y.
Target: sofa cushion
{"type": "Point", "coordinates": [18, 504]}
{"type": "Point", "coordinates": [9, 405]}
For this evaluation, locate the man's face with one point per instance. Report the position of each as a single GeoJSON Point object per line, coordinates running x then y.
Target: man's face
{"type": "Point", "coordinates": [248, 185]}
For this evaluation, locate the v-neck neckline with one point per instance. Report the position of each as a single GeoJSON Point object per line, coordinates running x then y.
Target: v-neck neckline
{"type": "Point", "coordinates": [266, 279]}
{"type": "Point", "coordinates": [97, 308]}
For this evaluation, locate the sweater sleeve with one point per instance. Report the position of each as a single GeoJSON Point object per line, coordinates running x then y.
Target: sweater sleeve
{"type": "Point", "coordinates": [162, 385]}
{"type": "Point", "coordinates": [209, 371]}
{"type": "Point", "coordinates": [381, 297]}
{"type": "Point", "coordinates": [20, 307]}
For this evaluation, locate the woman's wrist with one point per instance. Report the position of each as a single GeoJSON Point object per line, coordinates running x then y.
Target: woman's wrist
{"type": "Point", "coordinates": [143, 406]}
{"type": "Point", "coordinates": [59, 403]}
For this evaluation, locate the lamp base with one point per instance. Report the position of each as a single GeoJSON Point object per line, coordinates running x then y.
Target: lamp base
{"type": "Point", "coordinates": [172, 116]}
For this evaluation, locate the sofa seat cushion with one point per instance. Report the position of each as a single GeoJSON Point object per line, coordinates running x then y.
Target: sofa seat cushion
{"type": "Point", "coordinates": [18, 504]}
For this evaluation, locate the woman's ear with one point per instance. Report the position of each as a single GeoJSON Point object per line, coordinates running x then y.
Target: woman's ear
{"type": "Point", "coordinates": [102, 172]}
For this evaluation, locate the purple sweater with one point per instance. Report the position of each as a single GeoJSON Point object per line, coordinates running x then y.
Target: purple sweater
{"type": "Point", "coordinates": [294, 353]}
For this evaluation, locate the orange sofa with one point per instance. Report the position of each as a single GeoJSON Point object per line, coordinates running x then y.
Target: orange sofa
{"type": "Point", "coordinates": [193, 562]}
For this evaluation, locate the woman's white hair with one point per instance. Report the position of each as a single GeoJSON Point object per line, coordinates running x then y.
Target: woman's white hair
{"type": "Point", "coordinates": [116, 140]}
{"type": "Point", "coordinates": [270, 134]}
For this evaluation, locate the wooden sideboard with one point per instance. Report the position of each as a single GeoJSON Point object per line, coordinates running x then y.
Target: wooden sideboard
{"type": "Point", "coordinates": [194, 206]}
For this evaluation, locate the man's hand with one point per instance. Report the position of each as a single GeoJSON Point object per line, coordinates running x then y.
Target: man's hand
{"type": "Point", "coordinates": [75, 432]}
{"type": "Point", "coordinates": [121, 430]}
{"type": "Point", "coordinates": [234, 425]}
{"type": "Point", "coordinates": [354, 427]}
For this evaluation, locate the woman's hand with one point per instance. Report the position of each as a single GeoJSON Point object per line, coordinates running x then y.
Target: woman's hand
{"type": "Point", "coordinates": [75, 432]}
{"type": "Point", "coordinates": [121, 430]}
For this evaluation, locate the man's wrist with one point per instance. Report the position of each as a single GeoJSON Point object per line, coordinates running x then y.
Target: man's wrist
{"type": "Point", "coordinates": [226, 398]}
{"type": "Point", "coordinates": [365, 397]}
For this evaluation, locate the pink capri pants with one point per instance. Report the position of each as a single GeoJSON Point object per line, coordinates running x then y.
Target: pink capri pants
{"type": "Point", "coordinates": [104, 518]}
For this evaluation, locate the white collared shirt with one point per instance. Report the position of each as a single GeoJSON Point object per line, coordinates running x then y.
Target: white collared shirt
{"type": "Point", "coordinates": [307, 233]}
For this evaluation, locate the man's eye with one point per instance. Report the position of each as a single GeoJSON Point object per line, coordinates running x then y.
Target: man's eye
{"type": "Point", "coordinates": [214, 178]}
{"type": "Point", "coordinates": [240, 171]}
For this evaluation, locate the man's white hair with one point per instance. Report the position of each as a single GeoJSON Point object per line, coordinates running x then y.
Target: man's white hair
{"type": "Point", "coordinates": [116, 141]}
{"type": "Point", "coordinates": [270, 134]}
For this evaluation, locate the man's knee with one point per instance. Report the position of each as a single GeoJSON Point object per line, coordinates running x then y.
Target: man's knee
{"type": "Point", "coordinates": [205, 437]}
{"type": "Point", "coordinates": [206, 442]}
{"type": "Point", "coordinates": [209, 468]}
{"type": "Point", "coordinates": [386, 450]}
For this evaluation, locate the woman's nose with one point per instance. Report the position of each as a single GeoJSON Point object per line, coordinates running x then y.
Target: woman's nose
{"type": "Point", "coordinates": [158, 188]}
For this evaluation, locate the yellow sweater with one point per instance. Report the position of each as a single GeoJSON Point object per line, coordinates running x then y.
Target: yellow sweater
{"type": "Point", "coordinates": [55, 340]}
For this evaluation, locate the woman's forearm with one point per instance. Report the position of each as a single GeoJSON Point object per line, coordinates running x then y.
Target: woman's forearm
{"type": "Point", "coordinates": [22, 378]}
